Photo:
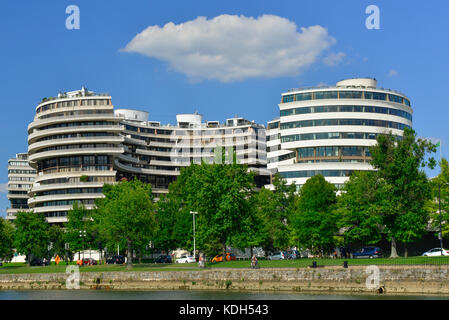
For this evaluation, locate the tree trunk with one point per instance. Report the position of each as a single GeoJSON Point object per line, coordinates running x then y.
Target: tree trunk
{"type": "Point", "coordinates": [405, 250]}
{"type": "Point", "coordinates": [129, 256]}
{"type": "Point", "coordinates": [394, 253]}
{"type": "Point", "coordinates": [251, 252]}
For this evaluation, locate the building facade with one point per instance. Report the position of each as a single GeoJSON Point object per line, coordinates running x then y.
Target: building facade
{"type": "Point", "coordinates": [20, 180]}
{"type": "Point", "coordinates": [72, 144]}
{"type": "Point", "coordinates": [328, 130]}
{"type": "Point", "coordinates": [155, 153]}
{"type": "Point", "coordinates": [77, 142]}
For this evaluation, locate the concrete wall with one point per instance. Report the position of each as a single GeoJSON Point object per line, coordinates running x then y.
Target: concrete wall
{"type": "Point", "coordinates": [396, 280]}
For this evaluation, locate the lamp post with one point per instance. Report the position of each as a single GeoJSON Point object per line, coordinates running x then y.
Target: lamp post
{"type": "Point", "coordinates": [82, 236]}
{"type": "Point", "coordinates": [440, 234]}
{"type": "Point", "coordinates": [194, 248]}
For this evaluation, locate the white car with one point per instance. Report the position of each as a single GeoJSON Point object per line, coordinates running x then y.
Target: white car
{"type": "Point", "coordinates": [186, 259]}
{"type": "Point", "coordinates": [435, 252]}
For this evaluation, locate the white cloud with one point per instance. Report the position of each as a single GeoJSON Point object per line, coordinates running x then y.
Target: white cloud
{"type": "Point", "coordinates": [392, 73]}
{"type": "Point", "coordinates": [231, 48]}
{"type": "Point", "coordinates": [333, 58]}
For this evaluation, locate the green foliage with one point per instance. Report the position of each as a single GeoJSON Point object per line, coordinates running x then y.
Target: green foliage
{"type": "Point", "coordinates": [31, 236]}
{"type": "Point", "coordinates": [220, 194]}
{"type": "Point", "coordinates": [315, 222]}
{"type": "Point", "coordinates": [56, 237]}
{"type": "Point", "coordinates": [400, 164]}
{"type": "Point", "coordinates": [79, 219]}
{"type": "Point", "coordinates": [126, 213]}
{"type": "Point", "coordinates": [440, 197]}
{"type": "Point", "coordinates": [272, 211]}
{"type": "Point", "coordinates": [6, 240]}
{"type": "Point", "coordinates": [358, 208]}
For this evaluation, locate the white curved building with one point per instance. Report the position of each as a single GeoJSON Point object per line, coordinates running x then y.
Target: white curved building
{"type": "Point", "coordinates": [72, 143]}
{"type": "Point", "coordinates": [328, 130]}
{"type": "Point", "coordinates": [155, 153]}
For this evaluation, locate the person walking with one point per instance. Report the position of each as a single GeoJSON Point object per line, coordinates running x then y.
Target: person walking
{"type": "Point", "coordinates": [254, 262]}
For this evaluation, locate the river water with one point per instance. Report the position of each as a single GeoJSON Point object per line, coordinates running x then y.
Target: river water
{"type": "Point", "coordinates": [195, 295]}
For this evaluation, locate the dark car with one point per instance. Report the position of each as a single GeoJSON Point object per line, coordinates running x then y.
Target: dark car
{"type": "Point", "coordinates": [368, 252]}
{"type": "Point", "coordinates": [116, 260]}
{"type": "Point", "coordinates": [38, 262]}
{"type": "Point", "coordinates": [293, 254]}
{"type": "Point", "coordinates": [163, 259]}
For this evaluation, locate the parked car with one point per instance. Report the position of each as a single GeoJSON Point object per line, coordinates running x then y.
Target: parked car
{"type": "Point", "coordinates": [368, 252]}
{"type": "Point", "coordinates": [293, 254]}
{"type": "Point", "coordinates": [435, 252]}
{"type": "Point", "coordinates": [163, 259]}
{"type": "Point", "coordinates": [219, 258]}
{"type": "Point", "coordinates": [281, 255]}
{"type": "Point", "coordinates": [116, 260]}
{"type": "Point", "coordinates": [39, 262]}
{"type": "Point", "coordinates": [230, 256]}
{"type": "Point", "coordinates": [186, 259]}
{"type": "Point", "coordinates": [89, 262]}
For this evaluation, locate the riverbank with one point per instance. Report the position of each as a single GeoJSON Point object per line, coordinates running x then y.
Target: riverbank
{"type": "Point", "coordinates": [392, 279]}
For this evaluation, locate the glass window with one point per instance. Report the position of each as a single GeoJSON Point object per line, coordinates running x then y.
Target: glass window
{"type": "Point", "coordinates": [351, 151]}
{"type": "Point", "coordinates": [303, 96]}
{"type": "Point", "coordinates": [326, 95]}
{"type": "Point", "coordinates": [379, 96]}
{"type": "Point", "coordinates": [368, 95]}
{"type": "Point", "coordinates": [287, 98]}
{"type": "Point", "coordinates": [350, 94]}
{"type": "Point", "coordinates": [305, 152]}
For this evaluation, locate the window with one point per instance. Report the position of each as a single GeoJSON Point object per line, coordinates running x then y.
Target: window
{"type": "Point", "coordinates": [305, 152]}
{"type": "Point", "coordinates": [379, 96]}
{"type": "Point", "coordinates": [350, 94]}
{"type": "Point", "coordinates": [303, 96]}
{"type": "Point", "coordinates": [288, 98]}
{"type": "Point", "coordinates": [326, 95]}
{"type": "Point", "coordinates": [352, 151]}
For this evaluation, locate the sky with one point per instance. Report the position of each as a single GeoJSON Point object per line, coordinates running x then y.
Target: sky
{"type": "Point", "coordinates": [220, 58]}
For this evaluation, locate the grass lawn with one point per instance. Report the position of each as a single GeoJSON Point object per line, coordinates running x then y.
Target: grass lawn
{"type": "Point", "coordinates": [11, 268]}
{"type": "Point", "coordinates": [303, 263]}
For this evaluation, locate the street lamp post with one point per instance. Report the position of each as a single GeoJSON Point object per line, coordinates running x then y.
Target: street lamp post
{"type": "Point", "coordinates": [194, 248]}
{"type": "Point", "coordinates": [82, 236]}
{"type": "Point", "coordinates": [440, 235]}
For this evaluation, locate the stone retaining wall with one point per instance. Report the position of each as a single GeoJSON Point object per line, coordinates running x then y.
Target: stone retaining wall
{"type": "Point", "coordinates": [393, 279]}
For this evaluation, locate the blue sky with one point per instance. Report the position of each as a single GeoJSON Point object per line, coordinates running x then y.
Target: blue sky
{"type": "Point", "coordinates": [39, 56]}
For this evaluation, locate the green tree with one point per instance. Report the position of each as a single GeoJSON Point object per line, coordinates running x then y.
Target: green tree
{"type": "Point", "coordinates": [440, 198]}
{"type": "Point", "coordinates": [272, 211]}
{"type": "Point", "coordinates": [6, 240]}
{"type": "Point", "coordinates": [127, 213]}
{"type": "Point", "coordinates": [359, 213]}
{"type": "Point", "coordinates": [314, 222]}
{"type": "Point", "coordinates": [400, 163]}
{"type": "Point", "coordinates": [78, 221]}
{"type": "Point", "coordinates": [220, 194]}
{"type": "Point", "coordinates": [31, 236]}
{"type": "Point", "coordinates": [56, 238]}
